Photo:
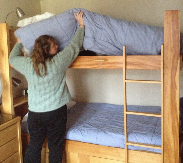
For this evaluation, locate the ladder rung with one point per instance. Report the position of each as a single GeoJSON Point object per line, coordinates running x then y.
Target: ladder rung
{"type": "Point", "coordinates": [144, 145]}
{"type": "Point", "coordinates": [143, 113]}
{"type": "Point", "coordinates": [143, 81]}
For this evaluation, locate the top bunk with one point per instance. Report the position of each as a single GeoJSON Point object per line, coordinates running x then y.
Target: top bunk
{"type": "Point", "coordinates": [91, 60]}
{"type": "Point", "coordinates": [143, 42]}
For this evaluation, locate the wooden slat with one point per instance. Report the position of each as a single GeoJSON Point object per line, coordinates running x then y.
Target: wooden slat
{"type": "Point", "coordinates": [19, 139]}
{"type": "Point", "coordinates": [125, 102]}
{"type": "Point", "coordinates": [143, 81]}
{"type": "Point", "coordinates": [162, 103]}
{"type": "Point", "coordinates": [144, 114]}
{"type": "Point", "coordinates": [171, 85]}
{"type": "Point", "coordinates": [7, 99]}
{"type": "Point", "coordinates": [151, 62]}
{"type": "Point", "coordinates": [144, 145]}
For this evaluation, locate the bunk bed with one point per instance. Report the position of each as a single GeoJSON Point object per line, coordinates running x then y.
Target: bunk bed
{"type": "Point", "coordinates": [169, 62]}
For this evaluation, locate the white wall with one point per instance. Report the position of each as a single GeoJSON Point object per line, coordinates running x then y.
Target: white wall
{"type": "Point", "coordinates": [106, 85]}
{"type": "Point", "coordinates": [143, 11]}
{"type": "Point", "coordinates": [30, 7]}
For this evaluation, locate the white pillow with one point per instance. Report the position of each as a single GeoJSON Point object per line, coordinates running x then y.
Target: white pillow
{"type": "Point", "coordinates": [34, 19]}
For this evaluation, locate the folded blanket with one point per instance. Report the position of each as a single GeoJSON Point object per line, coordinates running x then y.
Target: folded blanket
{"type": "Point", "coordinates": [103, 34]}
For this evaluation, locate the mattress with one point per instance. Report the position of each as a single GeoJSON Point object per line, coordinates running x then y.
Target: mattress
{"type": "Point", "coordinates": [101, 123]}
{"type": "Point", "coordinates": [104, 35]}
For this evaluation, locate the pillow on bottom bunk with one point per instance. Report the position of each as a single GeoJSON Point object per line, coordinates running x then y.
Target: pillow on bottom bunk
{"type": "Point", "coordinates": [103, 34]}
{"type": "Point", "coordinates": [102, 124]}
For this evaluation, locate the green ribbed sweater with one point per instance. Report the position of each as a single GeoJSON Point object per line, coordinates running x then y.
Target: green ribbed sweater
{"type": "Point", "coordinates": [49, 92]}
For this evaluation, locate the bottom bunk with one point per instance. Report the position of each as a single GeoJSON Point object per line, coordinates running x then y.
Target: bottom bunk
{"type": "Point", "coordinates": [79, 152]}
{"type": "Point", "coordinates": [95, 134]}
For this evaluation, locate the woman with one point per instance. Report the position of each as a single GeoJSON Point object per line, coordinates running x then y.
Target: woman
{"type": "Point", "coordinates": [48, 93]}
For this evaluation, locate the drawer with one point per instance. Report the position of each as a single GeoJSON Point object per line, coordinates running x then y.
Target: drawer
{"type": "Point", "coordinates": [13, 159]}
{"type": "Point", "coordinates": [7, 134]}
{"type": "Point", "coordinates": [9, 149]}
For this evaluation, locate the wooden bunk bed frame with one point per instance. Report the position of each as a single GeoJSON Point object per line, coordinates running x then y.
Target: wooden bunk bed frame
{"type": "Point", "coordinates": [90, 153]}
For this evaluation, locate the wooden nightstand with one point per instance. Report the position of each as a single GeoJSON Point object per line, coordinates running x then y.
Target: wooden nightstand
{"type": "Point", "coordinates": [10, 139]}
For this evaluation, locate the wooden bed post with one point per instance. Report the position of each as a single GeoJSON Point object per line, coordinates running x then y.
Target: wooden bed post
{"type": "Point", "coordinates": [7, 97]}
{"type": "Point", "coordinates": [171, 86]}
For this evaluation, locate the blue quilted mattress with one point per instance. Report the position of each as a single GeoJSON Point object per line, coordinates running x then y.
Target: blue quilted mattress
{"type": "Point", "coordinates": [104, 35]}
{"type": "Point", "coordinates": [103, 124]}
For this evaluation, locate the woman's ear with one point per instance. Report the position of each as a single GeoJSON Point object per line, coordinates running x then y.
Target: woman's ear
{"type": "Point", "coordinates": [46, 51]}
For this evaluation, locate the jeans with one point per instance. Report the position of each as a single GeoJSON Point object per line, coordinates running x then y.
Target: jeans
{"type": "Point", "coordinates": [48, 124]}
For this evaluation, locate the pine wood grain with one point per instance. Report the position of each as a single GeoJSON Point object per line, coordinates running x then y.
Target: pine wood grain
{"type": "Point", "coordinates": [151, 62]}
{"type": "Point", "coordinates": [171, 85]}
{"type": "Point", "coordinates": [7, 99]}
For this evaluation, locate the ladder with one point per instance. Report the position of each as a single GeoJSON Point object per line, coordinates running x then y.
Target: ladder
{"type": "Point", "coordinates": [125, 80]}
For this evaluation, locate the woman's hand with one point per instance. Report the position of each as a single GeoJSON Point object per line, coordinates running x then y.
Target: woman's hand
{"type": "Point", "coordinates": [18, 40]}
{"type": "Point", "coordinates": [79, 18]}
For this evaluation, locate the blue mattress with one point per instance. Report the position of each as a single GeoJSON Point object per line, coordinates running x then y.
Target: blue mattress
{"type": "Point", "coordinates": [103, 34]}
{"type": "Point", "coordinates": [101, 123]}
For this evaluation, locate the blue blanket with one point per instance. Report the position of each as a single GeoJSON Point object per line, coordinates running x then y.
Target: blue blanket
{"type": "Point", "coordinates": [103, 34]}
{"type": "Point", "coordinates": [103, 124]}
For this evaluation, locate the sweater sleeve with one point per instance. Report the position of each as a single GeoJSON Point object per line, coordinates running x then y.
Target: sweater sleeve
{"type": "Point", "coordinates": [70, 52]}
{"type": "Point", "coordinates": [15, 58]}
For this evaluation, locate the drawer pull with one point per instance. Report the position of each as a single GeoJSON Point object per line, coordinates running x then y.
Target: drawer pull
{"type": "Point", "coordinates": [101, 60]}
